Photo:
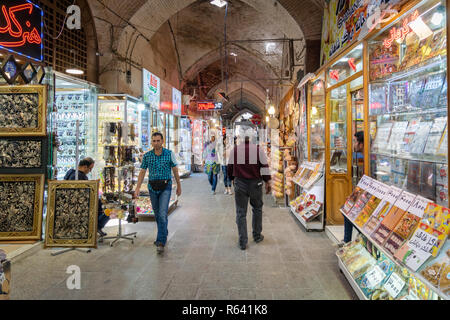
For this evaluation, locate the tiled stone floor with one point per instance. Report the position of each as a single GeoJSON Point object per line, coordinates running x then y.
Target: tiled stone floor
{"type": "Point", "coordinates": [202, 260]}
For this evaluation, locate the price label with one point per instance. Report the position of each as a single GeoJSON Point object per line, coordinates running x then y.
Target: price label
{"type": "Point", "coordinates": [422, 241]}
{"type": "Point", "coordinates": [374, 277]}
{"type": "Point", "coordinates": [394, 285]}
{"type": "Point", "coordinates": [405, 200]}
{"type": "Point", "coordinates": [393, 194]}
{"type": "Point", "coordinates": [418, 206]}
{"type": "Point", "coordinates": [364, 182]}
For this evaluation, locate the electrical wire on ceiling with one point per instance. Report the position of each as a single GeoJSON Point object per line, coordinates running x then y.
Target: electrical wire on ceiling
{"type": "Point", "coordinates": [62, 27]}
{"type": "Point", "coordinates": [225, 45]}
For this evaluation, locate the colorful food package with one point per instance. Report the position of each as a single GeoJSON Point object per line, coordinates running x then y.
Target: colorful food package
{"type": "Point", "coordinates": [351, 199]}
{"type": "Point", "coordinates": [376, 276]}
{"type": "Point", "coordinates": [378, 191]}
{"type": "Point", "coordinates": [407, 225]}
{"type": "Point", "coordinates": [315, 176]}
{"type": "Point", "coordinates": [313, 211]}
{"type": "Point", "coordinates": [436, 221]}
{"type": "Point", "coordinates": [388, 201]}
{"type": "Point", "coordinates": [393, 217]}
{"type": "Point", "coordinates": [436, 271]}
{"type": "Point", "coordinates": [359, 205]}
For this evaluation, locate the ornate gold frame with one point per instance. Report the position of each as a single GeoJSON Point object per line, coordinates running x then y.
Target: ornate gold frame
{"type": "Point", "coordinates": [41, 129]}
{"type": "Point", "coordinates": [36, 233]}
{"type": "Point", "coordinates": [91, 241]}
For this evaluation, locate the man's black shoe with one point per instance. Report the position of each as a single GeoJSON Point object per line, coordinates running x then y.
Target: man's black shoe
{"type": "Point", "coordinates": [259, 239]}
{"type": "Point", "coordinates": [103, 234]}
{"type": "Point", "coordinates": [242, 246]}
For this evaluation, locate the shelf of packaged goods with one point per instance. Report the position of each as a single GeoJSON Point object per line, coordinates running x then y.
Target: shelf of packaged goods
{"type": "Point", "coordinates": [351, 280]}
{"type": "Point", "coordinates": [396, 156]}
{"type": "Point", "coordinates": [411, 112]}
{"type": "Point", "coordinates": [412, 71]}
{"type": "Point", "coordinates": [309, 225]}
{"type": "Point", "coordinates": [401, 265]}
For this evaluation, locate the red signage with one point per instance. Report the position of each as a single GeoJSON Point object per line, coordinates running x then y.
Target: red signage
{"type": "Point", "coordinates": [206, 106]}
{"type": "Point", "coordinates": [351, 63]}
{"type": "Point", "coordinates": [400, 33]}
{"type": "Point", "coordinates": [334, 74]}
{"type": "Point", "coordinates": [21, 28]}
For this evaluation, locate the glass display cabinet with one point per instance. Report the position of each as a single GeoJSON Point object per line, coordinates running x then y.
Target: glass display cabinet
{"type": "Point", "coordinates": [184, 146]}
{"type": "Point", "coordinates": [74, 100]}
{"type": "Point", "coordinates": [119, 141]}
{"type": "Point", "coordinates": [316, 121]}
{"type": "Point", "coordinates": [343, 81]}
{"type": "Point", "coordinates": [145, 126]}
{"type": "Point", "coordinates": [408, 103]}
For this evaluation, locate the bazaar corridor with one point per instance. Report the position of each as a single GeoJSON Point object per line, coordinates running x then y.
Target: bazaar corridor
{"type": "Point", "coordinates": [201, 261]}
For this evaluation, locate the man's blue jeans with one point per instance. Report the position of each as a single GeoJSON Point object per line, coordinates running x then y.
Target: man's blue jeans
{"type": "Point", "coordinates": [212, 178]}
{"type": "Point", "coordinates": [226, 179]}
{"type": "Point", "coordinates": [160, 204]}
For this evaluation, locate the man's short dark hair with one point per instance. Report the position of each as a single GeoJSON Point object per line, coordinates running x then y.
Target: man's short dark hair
{"type": "Point", "coordinates": [154, 134]}
{"type": "Point", "coordinates": [359, 136]}
{"type": "Point", "coordinates": [86, 162]}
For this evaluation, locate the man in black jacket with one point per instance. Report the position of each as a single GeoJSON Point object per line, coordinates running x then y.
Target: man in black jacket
{"type": "Point", "coordinates": [85, 166]}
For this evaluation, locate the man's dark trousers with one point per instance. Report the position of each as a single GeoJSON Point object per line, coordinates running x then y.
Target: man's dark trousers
{"type": "Point", "coordinates": [246, 189]}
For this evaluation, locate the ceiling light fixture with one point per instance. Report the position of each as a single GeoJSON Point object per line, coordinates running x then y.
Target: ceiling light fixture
{"type": "Point", "coordinates": [270, 45]}
{"type": "Point", "coordinates": [219, 3]}
{"type": "Point", "coordinates": [271, 110]}
{"type": "Point", "coordinates": [233, 54]}
{"type": "Point", "coordinates": [75, 71]}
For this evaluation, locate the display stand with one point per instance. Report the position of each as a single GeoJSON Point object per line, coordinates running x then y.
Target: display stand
{"type": "Point", "coordinates": [318, 190]}
{"type": "Point", "coordinates": [77, 155]}
{"type": "Point", "coordinates": [120, 235]}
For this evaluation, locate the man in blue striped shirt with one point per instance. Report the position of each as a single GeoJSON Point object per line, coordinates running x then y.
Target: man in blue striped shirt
{"type": "Point", "coordinates": [160, 163]}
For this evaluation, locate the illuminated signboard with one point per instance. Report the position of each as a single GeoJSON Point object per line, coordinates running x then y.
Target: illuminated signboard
{"type": "Point", "coordinates": [151, 89]}
{"type": "Point", "coordinates": [21, 28]}
{"type": "Point", "coordinates": [208, 105]}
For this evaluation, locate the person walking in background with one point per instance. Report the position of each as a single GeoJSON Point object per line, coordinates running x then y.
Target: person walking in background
{"type": "Point", "coordinates": [223, 152]}
{"type": "Point", "coordinates": [85, 166]}
{"type": "Point", "coordinates": [248, 168]}
{"type": "Point", "coordinates": [161, 163]}
{"type": "Point", "coordinates": [212, 167]}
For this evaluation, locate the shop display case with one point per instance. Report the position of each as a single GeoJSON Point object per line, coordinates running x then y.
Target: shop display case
{"type": "Point", "coordinates": [172, 133]}
{"type": "Point", "coordinates": [184, 146]}
{"type": "Point", "coordinates": [408, 232]}
{"type": "Point", "coordinates": [119, 143]}
{"type": "Point", "coordinates": [75, 100]}
{"type": "Point", "coordinates": [316, 121]}
{"type": "Point", "coordinates": [145, 127]}
{"type": "Point", "coordinates": [408, 104]}
{"type": "Point", "coordinates": [200, 136]}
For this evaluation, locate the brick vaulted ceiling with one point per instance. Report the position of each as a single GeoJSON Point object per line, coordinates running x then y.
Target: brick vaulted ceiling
{"type": "Point", "coordinates": [198, 30]}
